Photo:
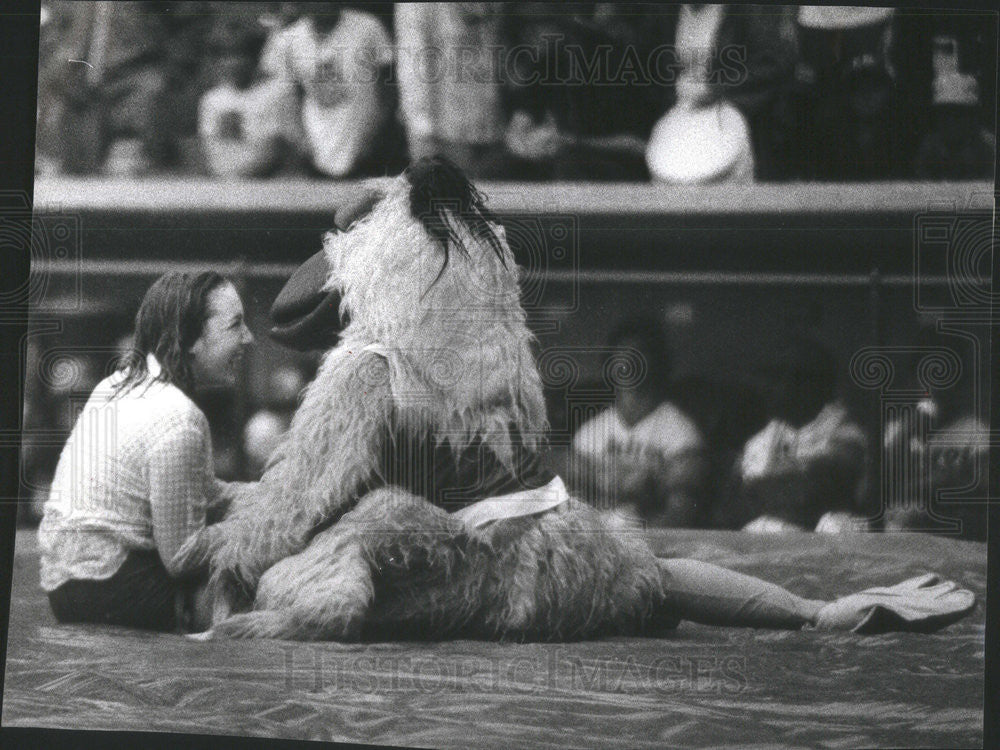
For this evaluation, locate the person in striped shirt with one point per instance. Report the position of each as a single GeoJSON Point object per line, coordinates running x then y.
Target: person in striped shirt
{"type": "Point", "coordinates": [135, 479]}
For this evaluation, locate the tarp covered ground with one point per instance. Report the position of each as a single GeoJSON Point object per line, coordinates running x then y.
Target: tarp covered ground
{"type": "Point", "coordinates": [700, 687]}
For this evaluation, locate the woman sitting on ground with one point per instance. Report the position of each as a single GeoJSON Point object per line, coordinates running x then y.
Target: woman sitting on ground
{"type": "Point", "coordinates": [135, 478]}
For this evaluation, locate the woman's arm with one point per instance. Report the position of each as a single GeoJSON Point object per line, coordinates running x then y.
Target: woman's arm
{"type": "Point", "coordinates": [178, 489]}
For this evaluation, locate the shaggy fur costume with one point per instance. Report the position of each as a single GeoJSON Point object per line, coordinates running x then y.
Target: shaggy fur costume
{"type": "Point", "coordinates": [437, 343]}
{"type": "Point", "coordinates": [340, 539]}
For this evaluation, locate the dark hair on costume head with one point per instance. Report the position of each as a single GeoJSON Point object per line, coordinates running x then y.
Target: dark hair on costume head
{"type": "Point", "coordinates": [653, 346]}
{"type": "Point", "coordinates": [438, 187]}
{"type": "Point", "coordinates": [170, 320]}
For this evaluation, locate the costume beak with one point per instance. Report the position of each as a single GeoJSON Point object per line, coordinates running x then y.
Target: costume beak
{"type": "Point", "coordinates": [304, 316]}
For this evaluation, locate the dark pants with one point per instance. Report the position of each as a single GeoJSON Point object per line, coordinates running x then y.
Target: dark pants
{"type": "Point", "coordinates": [141, 594]}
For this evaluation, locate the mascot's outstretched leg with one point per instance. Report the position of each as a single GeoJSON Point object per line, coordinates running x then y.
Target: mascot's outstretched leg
{"type": "Point", "coordinates": [711, 595]}
{"type": "Point", "coordinates": [434, 580]}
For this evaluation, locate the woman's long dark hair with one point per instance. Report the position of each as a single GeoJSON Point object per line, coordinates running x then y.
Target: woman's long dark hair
{"type": "Point", "coordinates": [169, 321]}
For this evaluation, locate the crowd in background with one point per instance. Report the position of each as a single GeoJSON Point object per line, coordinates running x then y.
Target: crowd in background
{"type": "Point", "coordinates": [558, 91]}
{"type": "Point", "coordinates": [788, 455]}
{"type": "Point", "coordinates": [803, 461]}
{"type": "Point", "coordinates": [527, 91]}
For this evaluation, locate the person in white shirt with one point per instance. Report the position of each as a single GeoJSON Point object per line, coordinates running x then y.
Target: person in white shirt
{"type": "Point", "coordinates": [936, 449]}
{"type": "Point", "coordinates": [135, 479]}
{"type": "Point", "coordinates": [248, 127]}
{"type": "Point", "coordinates": [339, 60]}
{"type": "Point", "coordinates": [704, 138]}
{"type": "Point", "coordinates": [809, 461]}
{"type": "Point", "coordinates": [643, 454]}
{"type": "Point", "coordinates": [451, 97]}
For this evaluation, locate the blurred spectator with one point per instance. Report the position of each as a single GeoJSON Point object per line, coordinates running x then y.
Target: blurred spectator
{"type": "Point", "coordinates": [261, 436]}
{"type": "Point", "coordinates": [731, 118]}
{"type": "Point", "coordinates": [766, 37]}
{"type": "Point", "coordinates": [848, 97]}
{"type": "Point", "coordinates": [945, 68]}
{"type": "Point", "coordinates": [939, 444]}
{"type": "Point", "coordinates": [100, 82]}
{"type": "Point", "coordinates": [583, 101]}
{"type": "Point", "coordinates": [339, 60]}
{"type": "Point", "coordinates": [188, 67]}
{"type": "Point", "coordinates": [48, 148]}
{"type": "Point", "coordinates": [957, 145]}
{"type": "Point", "coordinates": [810, 458]}
{"type": "Point", "coordinates": [643, 455]}
{"type": "Point", "coordinates": [450, 83]}
{"type": "Point", "coordinates": [265, 428]}
{"type": "Point", "coordinates": [248, 127]}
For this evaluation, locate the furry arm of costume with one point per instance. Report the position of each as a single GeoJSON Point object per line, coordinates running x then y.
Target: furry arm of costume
{"type": "Point", "coordinates": [329, 451]}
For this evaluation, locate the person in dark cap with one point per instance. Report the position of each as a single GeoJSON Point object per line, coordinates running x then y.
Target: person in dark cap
{"type": "Point", "coordinates": [805, 469]}
{"type": "Point", "coordinates": [644, 453]}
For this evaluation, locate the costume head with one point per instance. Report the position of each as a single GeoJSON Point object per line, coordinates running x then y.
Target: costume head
{"type": "Point", "coordinates": [405, 249]}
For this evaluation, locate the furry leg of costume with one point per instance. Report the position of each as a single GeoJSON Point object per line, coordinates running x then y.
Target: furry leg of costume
{"type": "Point", "coordinates": [327, 591]}
{"type": "Point", "coordinates": [322, 593]}
{"type": "Point", "coordinates": [397, 564]}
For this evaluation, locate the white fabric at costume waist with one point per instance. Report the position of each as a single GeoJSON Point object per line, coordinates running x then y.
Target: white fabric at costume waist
{"type": "Point", "coordinates": [514, 505]}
